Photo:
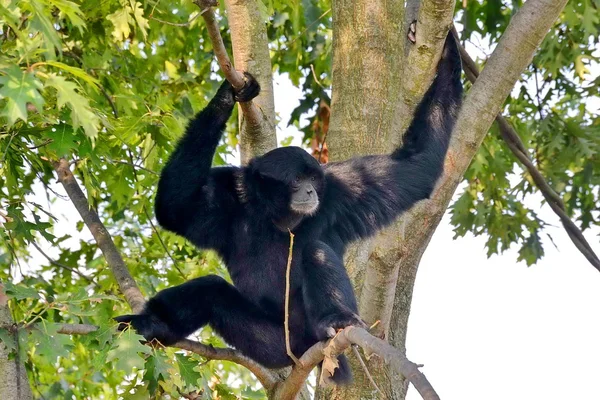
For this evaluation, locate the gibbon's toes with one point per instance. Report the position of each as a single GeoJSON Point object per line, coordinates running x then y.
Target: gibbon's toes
{"type": "Point", "coordinates": [328, 326]}
{"type": "Point", "coordinates": [250, 90]}
{"type": "Point", "coordinates": [412, 31]}
{"type": "Point", "coordinates": [124, 321]}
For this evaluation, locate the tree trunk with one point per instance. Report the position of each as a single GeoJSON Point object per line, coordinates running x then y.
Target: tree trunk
{"type": "Point", "coordinates": [369, 64]}
{"type": "Point", "coordinates": [396, 73]}
{"type": "Point", "coordinates": [251, 53]}
{"type": "Point", "coordinates": [14, 384]}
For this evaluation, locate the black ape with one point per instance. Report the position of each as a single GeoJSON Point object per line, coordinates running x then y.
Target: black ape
{"type": "Point", "coordinates": [244, 213]}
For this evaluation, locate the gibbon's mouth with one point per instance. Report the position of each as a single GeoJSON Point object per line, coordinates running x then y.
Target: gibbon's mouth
{"type": "Point", "coordinates": [305, 207]}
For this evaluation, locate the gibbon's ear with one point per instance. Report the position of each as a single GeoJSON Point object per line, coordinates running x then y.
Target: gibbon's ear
{"type": "Point", "coordinates": [262, 171]}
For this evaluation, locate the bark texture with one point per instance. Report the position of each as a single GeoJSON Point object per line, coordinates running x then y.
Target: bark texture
{"type": "Point", "coordinates": [251, 53]}
{"type": "Point", "coordinates": [384, 269]}
{"type": "Point", "coordinates": [14, 384]}
{"type": "Point", "coordinates": [378, 79]}
{"type": "Point", "coordinates": [513, 53]}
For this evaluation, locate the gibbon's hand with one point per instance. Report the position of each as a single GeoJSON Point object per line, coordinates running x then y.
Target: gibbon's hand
{"type": "Point", "coordinates": [250, 90]}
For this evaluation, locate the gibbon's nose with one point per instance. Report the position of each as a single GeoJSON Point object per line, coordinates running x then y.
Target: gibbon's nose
{"type": "Point", "coordinates": [310, 190]}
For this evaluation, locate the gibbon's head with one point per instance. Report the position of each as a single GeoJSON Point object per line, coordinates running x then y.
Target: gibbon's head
{"type": "Point", "coordinates": [289, 183]}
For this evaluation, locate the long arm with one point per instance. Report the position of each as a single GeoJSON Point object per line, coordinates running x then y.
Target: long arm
{"type": "Point", "coordinates": [192, 199]}
{"type": "Point", "coordinates": [365, 194]}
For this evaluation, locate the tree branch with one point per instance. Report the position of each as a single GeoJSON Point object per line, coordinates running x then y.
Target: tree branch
{"type": "Point", "coordinates": [256, 120]}
{"type": "Point", "coordinates": [128, 286]}
{"type": "Point", "coordinates": [337, 345]}
{"type": "Point", "coordinates": [513, 53]}
{"type": "Point", "coordinates": [515, 144]}
{"type": "Point", "coordinates": [90, 217]}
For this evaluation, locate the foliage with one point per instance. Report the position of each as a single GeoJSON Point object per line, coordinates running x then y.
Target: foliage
{"type": "Point", "coordinates": [551, 109]}
{"type": "Point", "coordinates": [110, 85]}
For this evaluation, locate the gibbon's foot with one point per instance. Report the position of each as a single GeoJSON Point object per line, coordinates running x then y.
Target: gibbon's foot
{"type": "Point", "coordinates": [250, 90]}
{"type": "Point", "coordinates": [412, 32]}
{"type": "Point", "coordinates": [149, 326]}
{"type": "Point", "coordinates": [327, 327]}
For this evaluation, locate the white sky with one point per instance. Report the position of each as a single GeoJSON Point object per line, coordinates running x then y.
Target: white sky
{"type": "Point", "coordinates": [494, 328]}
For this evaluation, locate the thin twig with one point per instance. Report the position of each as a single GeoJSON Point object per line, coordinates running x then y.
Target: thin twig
{"type": "Point", "coordinates": [312, 68]}
{"type": "Point", "coordinates": [63, 266]}
{"type": "Point", "coordinates": [44, 143]}
{"type": "Point", "coordinates": [286, 321]}
{"type": "Point", "coordinates": [135, 166]}
{"type": "Point", "coordinates": [183, 24]}
{"type": "Point", "coordinates": [516, 145]}
{"type": "Point", "coordinates": [162, 243]}
{"type": "Point", "coordinates": [365, 369]}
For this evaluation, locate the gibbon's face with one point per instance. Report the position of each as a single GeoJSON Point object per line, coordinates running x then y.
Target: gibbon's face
{"type": "Point", "coordinates": [296, 172]}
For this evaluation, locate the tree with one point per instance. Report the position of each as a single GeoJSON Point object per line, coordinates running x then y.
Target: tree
{"type": "Point", "coordinates": [104, 90]}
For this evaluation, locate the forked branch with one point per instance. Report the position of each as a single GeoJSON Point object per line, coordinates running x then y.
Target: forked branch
{"type": "Point", "coordinates": [288, 389]}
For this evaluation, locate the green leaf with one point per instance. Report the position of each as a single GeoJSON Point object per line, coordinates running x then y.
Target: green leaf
{"type": "Point", "coordinates": [186, 370]}
{"type": "Point", "coordinates": [7, 339]}
{"type": "Point", "coordinates": [20, 292]}
{"type": "Point", "coordinates": [81, 112]}
{"type": "Point", "coordinates": [128, 351]}
{"type": "Point", "coordinates": [19, 88]}
{"type": "Point", "coordinates": [78, 72]}
{"type": "Point", "coordinates": [72, 11]}
{"type": "Point", "coordinates": [532, 250]}
{"type": "Point", "coordinates": [40, 21]}
{"type": "Point", "coordinates": [63, 139]}
{"type": "Point", "coordinates": [157, 370]}
{"type": "Point", "coordinates": [50, 343]}
{"type": "Point", "coordinates": [171, 70]}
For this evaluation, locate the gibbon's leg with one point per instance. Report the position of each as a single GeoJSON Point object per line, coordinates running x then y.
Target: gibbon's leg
{"type": "Point", "coordinates": [328, 294]}
{"type": "Point", "coordinates": [177, 312]}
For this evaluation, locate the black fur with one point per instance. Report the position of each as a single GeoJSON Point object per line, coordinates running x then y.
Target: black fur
{"type": "Point", "coordinates": [243, 213]}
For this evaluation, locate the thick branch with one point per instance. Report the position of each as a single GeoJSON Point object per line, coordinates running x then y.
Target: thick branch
{"type": "Point", "coordinates": [372, 345]}
{"type": "Point", "coordinates": [512, 139]}
{"type": "Point", "coordinates": [513, 53]}
{"type": "Point", "coordinates": [251, 53]}
{"type": "Point", "coordinates": [433, 22]}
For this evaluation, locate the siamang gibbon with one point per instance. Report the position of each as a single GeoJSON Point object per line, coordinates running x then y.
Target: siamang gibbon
{"type": "Point", "coordinates": [244, 214]}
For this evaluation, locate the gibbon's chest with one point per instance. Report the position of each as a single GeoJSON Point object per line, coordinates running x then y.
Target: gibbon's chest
{"type": "Point", "coordinates": [258, 262]}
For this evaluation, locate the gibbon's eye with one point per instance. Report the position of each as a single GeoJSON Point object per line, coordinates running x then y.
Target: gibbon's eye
{"type": "Point", "coordinates": [312, 178]}
{"type": "Point", "coordinates": [297, 180]}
